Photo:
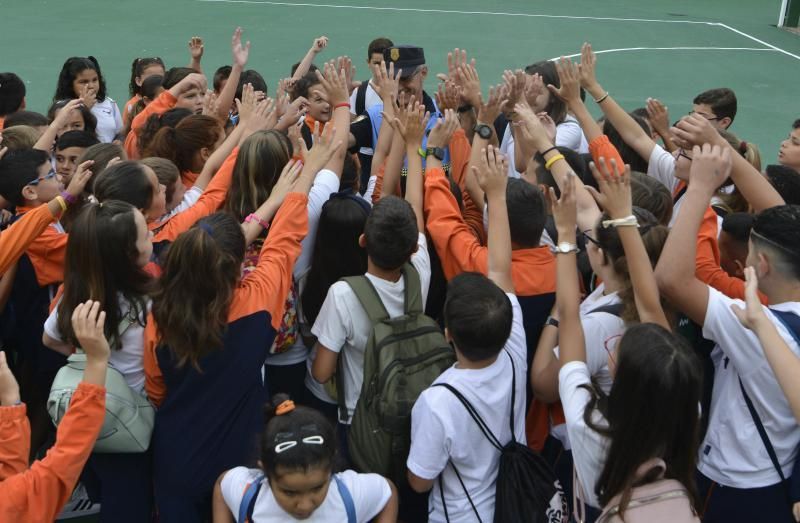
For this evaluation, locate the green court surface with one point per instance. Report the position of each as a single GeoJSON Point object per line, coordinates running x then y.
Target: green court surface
{"type": "Point", "coordinates": [669, 50]}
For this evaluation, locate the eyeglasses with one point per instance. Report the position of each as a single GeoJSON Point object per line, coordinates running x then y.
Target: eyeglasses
{"type": "Point", "coordinates": [709, 118]}
{"type": "Point", "coordinates": [49, 176]}
{"type": "Point", "coordinates": [682, 153]}
{"type": "Point", "coordinates": [586, 235]}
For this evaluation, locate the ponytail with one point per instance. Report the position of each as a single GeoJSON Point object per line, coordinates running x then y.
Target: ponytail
{"type": "Point", "coordinates": [181, 144]}
{"type": "Point", "coordinates": [295, 437]}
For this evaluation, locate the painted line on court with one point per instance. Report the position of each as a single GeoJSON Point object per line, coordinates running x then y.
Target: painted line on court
{"type": "Point", "coordinates": [762, 42]}
{"type": "Point", "coordinates": [763, 49]}
{"type": "Point", "coordinates": [453, 11]}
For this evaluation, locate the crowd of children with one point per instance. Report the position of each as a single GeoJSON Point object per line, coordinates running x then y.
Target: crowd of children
{"type": "Point", "coordinates": [345, 301]}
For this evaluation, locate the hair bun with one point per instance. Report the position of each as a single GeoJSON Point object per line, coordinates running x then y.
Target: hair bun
{"type": "Point", "coordinates": [270, 409]}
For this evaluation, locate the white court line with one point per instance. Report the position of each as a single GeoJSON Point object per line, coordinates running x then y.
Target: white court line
{"type": "Point", "coordinates": [762, 42]}
{"type": "Point", "coordinates": [452, 11]}
{"type": "Point", "coordinates": [494, 13]}
{"type": "Point", "coordinates": [764, 49]}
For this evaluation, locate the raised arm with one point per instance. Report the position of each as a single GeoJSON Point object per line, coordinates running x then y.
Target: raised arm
{"type": "Point", "coordinates": [675, 272]}
{"type": "Point", "coordinates": [615, 198]}
{"type": "Point", "coordinates": [785, 364]}
{"type": "Point", "coordinates": [695, 130]}
{"type": "Point", "coordinates": [48, 137]}
{"type": "Point", "coordinates": [571, 342]}
{"type": "Point", "coordinates": [570, 92]}
{"type": "Point", "coordinates": [305, 64]}
{"type": "Point", "coordinates": [196, 49]}
{"type": "Point", "coordinates": [492, 175]}
{"type": "Point", "coordinates": [412, 130]}
{"type": "Point", "coordinates": [334, 83]}
{"type": "Point", "coordinates": [240, 55]}
{"type": "Point", "coordinates": [658, 116]}
{"type": "Point", "coordinates": [627, 127]}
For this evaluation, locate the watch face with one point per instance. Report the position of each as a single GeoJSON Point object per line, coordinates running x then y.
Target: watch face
{"type": "Point", "coordinates": [484, 131]}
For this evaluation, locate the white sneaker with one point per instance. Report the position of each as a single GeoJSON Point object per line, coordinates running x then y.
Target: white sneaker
{"type": "Point", "coordinates": [79, 505]}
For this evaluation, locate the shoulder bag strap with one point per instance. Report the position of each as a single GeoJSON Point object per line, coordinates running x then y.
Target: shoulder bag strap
{"type": "Point", "coordinates": [347, 499]}
{"type": "Point", "coordinates": [513, 394]}
{"type": "Point", "coordinates": [248, 504]}
{"type": "Point", "coordinates": [361, 98]}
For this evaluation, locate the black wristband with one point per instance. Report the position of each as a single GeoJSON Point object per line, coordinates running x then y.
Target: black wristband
{"type": "Point", "coordinates": [549, 150]}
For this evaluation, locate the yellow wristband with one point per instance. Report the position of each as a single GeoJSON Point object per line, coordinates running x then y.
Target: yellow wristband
{"type": "Point", "coordinates": [553, 160]}
{"type": "Point", "coordinates": [62, 203]}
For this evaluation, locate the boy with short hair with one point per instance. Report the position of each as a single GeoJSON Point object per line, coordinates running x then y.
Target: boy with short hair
{"type": "Point", "coordinates": [718, 106]}
{"type": "Point", "coordinates": [483, 320]}
{"type": "Point", "coordinates": [786, 181]}
{"type": "Point", "coordinates": [29, 118]}
{"type": "Point", "coordinates": [69, 148]}
{"type": "Point", "coordinates": [789, 153]}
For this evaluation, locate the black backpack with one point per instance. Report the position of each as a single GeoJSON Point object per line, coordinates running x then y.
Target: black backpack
{"type": "Point", "coordinates": [526, 489]}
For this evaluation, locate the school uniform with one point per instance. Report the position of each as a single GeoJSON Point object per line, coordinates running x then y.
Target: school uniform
{"type": "Point", "coordinates": [533, 270]}
{"type": "Point", "coordinates": [732, 455]}
{"type": "Point", "coordinates": [16, 238]}
{"type": "Point", "coordinates": [121, 483]}
{"type": "Point", "coordinates": [369, 492]}
{"type": "Point", "coordinates": [343, 326]}
{"type": "Point", "coordinates": [287, 370]}
{"type": "Point", "coordinates": [163, 103]}
{"type": "Point", "coordinates": [109, 120]}
{"type": "Point", "coordinates": [442, 431]}
{"type": "Point", "coordinates": [209, 418]}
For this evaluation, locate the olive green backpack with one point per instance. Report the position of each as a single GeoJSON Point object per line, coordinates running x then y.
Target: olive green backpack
{"type": "Point", "coordinates": [404, 355]}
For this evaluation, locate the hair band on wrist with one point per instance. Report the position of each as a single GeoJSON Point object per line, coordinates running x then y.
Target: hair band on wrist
{"type": "Point", "coordinates": [71, 200]}
{"type": "Point", "coordinates": [628, 221]}
{"type": "Point", "coordinates": [602, 98]}
{"type": "Point", "coordinates": [62, 203]}
{"type": "Point", "coordinates": [343, 104]}
{"type": "Point", "coordinates": [422, 152]}
{"type": "Point", "coordinates": [553, 160]}
{"type": "Point", "coordinates": [253, 218]}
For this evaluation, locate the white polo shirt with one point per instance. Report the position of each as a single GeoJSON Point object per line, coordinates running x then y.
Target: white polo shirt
{"type": "Point", "coordinates": [732, 452]}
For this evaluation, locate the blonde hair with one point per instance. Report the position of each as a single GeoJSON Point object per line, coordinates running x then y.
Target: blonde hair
{"type": "Point", "coordinates": [20, 137]}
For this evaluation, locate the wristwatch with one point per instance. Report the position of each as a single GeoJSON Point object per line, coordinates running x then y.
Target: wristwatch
{"type": "Point", "coordinates": [484, 131]}
{"type": "Point", "coordinates": [436, 152]}
{"type": "Point", "coordinates": [552, 322]}
{"type": "Point", "coordinates": [564, 248]}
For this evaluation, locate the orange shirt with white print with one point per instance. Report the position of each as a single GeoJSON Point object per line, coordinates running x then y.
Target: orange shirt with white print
{"type": "Point", "coordinates": [39, 493]}
{"type": "Point", "coordinates": [264, 289]}
{"type": "Point", "coordinates": [160, 105]}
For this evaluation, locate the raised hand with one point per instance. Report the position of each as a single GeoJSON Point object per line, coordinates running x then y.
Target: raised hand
{"type": "Point", "coordinates": [534, 87]}
{"type": "Point", "coordinates": [586, 69]}
{"type": "Point", "coordinates": [455, 59]}
{"type": "Point", "coordinates": [319, 44]}
{"type": "Point", "coordinates": [489, 111]}
{"type": "Point", "coordinates": [386, 82]}
{"type": "Point", "coordinates": [443, 131]}
{"type": "Point", "coordinates": [88, 322]}
{"type": "Point", "coordinates": [752, 316]}
{"type": "Point", "coordinates": [615, 188]}
{"type": "Point", "coordinates": [264, 116]}
{"type": "Point", "coordinates": [711, 166]}
{"type": "Point", "coordinates": [694, 130]}
{"type": "Point", "coordinates": [286, 181]}
{"type": "Point", "coordinates": [448, 95]}
{"type": "Point", "coordinates": [191, 81]}
{"type": "Point", "coordinates": [196, 48]}
{"type": "Point", "coordinates": [492, 172]}
{"type": "Point", "coordinates": [240, 52]}
{"type": "Point", "coordinates": [334, 84]}
{"type": "Point", "coordinates": [569, 78]}
{"type": "Point", "coordinates": [412, 124]}
{"type": "Point", "coordinates": [211, 104]}
{"type": "Point", "coordinates": [565, 209]}
{"type": "Point", "coordinates": [83, 173]}
{"type": "Point", "coordinates": [467, 78]}
{"type": "Point", "coordinates": [345, 64]}
{"type": "Point", "coordinates": [247, 105]}
{"type": "Point", "coordinates": [536, 132]}
{"type": "Point", "coordinates": [322, 151]}
{"type": "Point", "coordinates": [658, 115]}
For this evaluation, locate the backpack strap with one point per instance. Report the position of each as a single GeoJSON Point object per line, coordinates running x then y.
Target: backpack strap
{"type": "Point", "coordinates": [464, 488]}
{"type": "Point", "coordinates": [368, 297]}
{"type": "Point", "coordinates": [412, 303]}
{"type": "Point", "coordinates": [474, 414]}
{"type": "Point", "coordinates": [513, 393]}
{"type": "Point", "coordinates": [361, 98]}
{"type": "Point", "coordinates": [248, 504]}
{"type": "Point", "coordinates": [347, 499]}
{"type": "Point", "coordinates": [615, 309]}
